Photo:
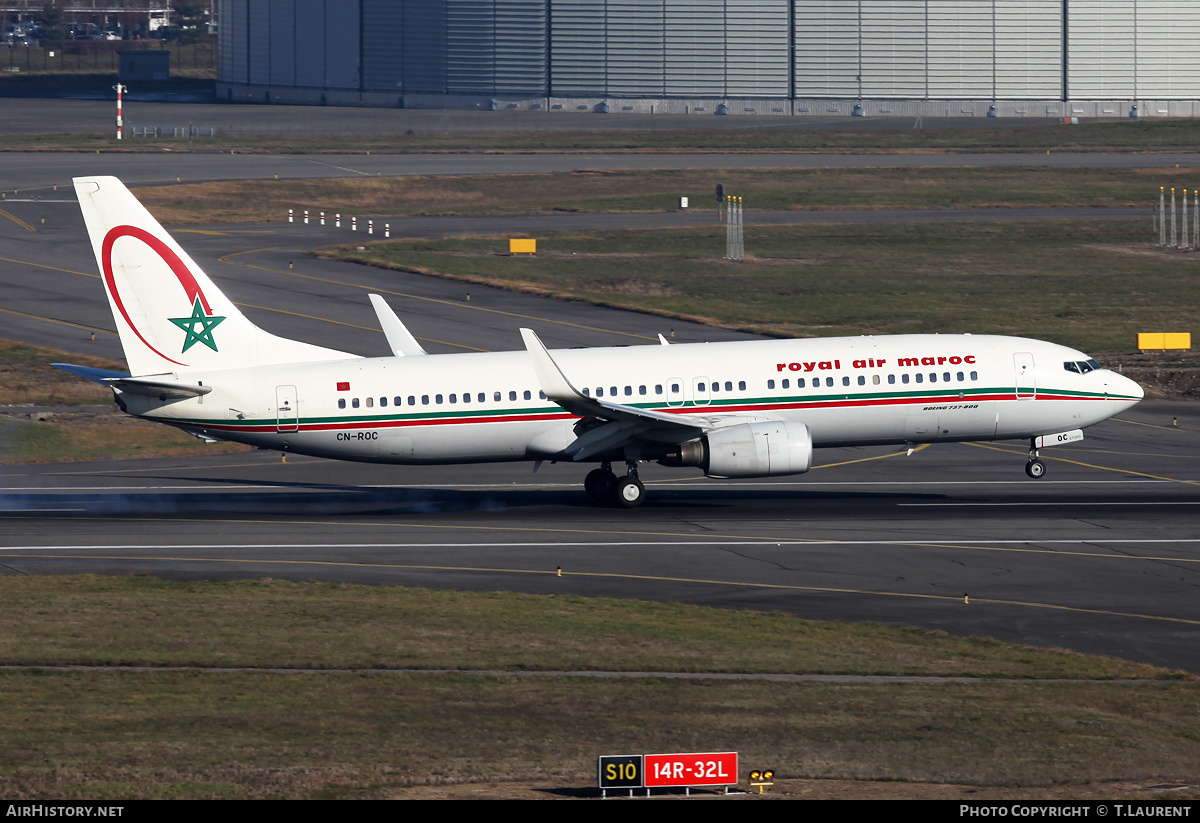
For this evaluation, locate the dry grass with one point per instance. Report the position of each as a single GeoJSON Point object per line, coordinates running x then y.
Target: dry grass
{"type": "Point", "coordinates": [127, 733]}
{"type": "Point", "coordinates": [655, 191]}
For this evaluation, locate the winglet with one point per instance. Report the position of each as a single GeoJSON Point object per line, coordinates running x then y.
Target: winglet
{"type": "Point", "coordinates": [554, 383]}
{"type": "Point", "coordinates": [662, 340]}
{"type": "Point", "coordinates": [398, 336]}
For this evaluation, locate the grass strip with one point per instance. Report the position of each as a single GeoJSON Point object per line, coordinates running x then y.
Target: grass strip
{"type": "Point", "coordinates": [542, 132]}
{"type": "Point", "coordinates": [646, 191]}
{"type": "Point", "coordinates": [187, 734]}
{"type": "Point", "coordinates": [1091, 285]}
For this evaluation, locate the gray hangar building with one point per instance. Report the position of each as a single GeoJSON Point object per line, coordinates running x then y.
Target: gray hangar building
{"type": "Point", "coordinates": [1036, 58]}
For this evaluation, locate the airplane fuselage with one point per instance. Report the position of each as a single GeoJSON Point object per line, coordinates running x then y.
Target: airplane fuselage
{"type": "Point", "coordinates": [488, 407]}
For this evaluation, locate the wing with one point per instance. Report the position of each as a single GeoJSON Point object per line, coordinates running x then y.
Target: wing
{"type": "Point", "coordinates": [608, 425]}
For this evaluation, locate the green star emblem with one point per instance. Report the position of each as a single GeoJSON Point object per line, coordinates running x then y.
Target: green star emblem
{"type": "Point", "coordinates": [198, 328]}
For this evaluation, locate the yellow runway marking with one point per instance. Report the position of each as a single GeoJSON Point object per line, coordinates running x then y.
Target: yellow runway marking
{"type": "Point", "coordinates": [16, 220]}
{"type": "Point", "coordinates": [52, 268]}
{"type": "Point", "coordinates": [948, 599]}
{"type": "Point", "coordinates": [60, 322]}
{"type": "Point", "coordinates": [1090, 465]}
{"type": "Point", "coordinates": [1149, 425]}
{"type": "Point", "coordinates": [868, 459]}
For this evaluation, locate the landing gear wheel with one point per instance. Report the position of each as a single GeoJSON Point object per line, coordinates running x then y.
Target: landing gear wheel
{"type": "Point", "coordinates": [1035, 469]}
{"type": "Point", "coordinates": [630, 492]}
{"type": "Point", "coordinates": [600, 484]}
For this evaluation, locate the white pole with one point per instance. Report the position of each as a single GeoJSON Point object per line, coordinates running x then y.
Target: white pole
{"type": "Point", "coordinates": [1185, 236]}
{"type": "Point", "coordinates": [306, 217]}
{"type": "Point", "coordinates": [291, 217]}
{"type": "Point", "coordinates": [338, 220]}
{"type": "Point", "coordinates": [1162, 216]}
{"type": "Point", "coordinates": [1173, 244]}
{"type": "Point", "coordinates": [322, 218]}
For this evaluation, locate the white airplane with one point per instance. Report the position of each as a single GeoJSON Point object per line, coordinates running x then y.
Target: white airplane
{"type": "Point", "coordinates": [743, 409]}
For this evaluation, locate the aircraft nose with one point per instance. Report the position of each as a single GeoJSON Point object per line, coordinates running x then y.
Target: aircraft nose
{"type": "Point", "coordinates": [1121, 387]}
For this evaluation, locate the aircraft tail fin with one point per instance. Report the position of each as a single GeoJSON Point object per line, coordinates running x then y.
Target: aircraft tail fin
{"type": "Point", "coordinates": [171, 317]}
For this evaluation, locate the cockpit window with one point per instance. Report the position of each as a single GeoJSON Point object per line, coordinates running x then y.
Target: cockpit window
{"type": "Point", "coordinates": [1081, 366]}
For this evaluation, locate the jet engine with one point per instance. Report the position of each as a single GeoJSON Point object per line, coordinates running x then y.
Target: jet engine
{"type": "Point", "coordinates": [757, 449]}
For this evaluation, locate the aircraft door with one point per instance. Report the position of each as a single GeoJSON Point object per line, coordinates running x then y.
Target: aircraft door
{"type": "Point", "coordinates": [287, 409]}
{"type": "Point", "coordinates": [1024, 378]}
{"type": "Point", "coordinates": [674, 388]}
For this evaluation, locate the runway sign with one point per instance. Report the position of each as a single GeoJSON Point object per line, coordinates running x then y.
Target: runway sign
{"type": "Point", "coordinates": [707, 769]}
{"type": "Point", "coordinates": [623, 771]}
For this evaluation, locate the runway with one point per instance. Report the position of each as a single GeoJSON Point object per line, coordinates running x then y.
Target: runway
{"type": "Point", "coordinates": [1101, 556]}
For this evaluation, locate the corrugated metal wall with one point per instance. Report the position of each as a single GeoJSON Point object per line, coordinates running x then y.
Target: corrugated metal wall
{"type": "Point", "coordinates": [805, 49]}
{"type": "Point", "coordinates": [1141, 49]}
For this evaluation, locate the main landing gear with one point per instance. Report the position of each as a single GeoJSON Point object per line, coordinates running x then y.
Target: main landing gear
{"type": "Point", "coordinates": [1035, 468]}
{"type": "Point", "coordinates": [605, 487]}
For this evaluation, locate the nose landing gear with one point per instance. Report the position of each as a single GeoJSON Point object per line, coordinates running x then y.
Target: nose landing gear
{"type": "Point", "coordinates": [1035, 468]}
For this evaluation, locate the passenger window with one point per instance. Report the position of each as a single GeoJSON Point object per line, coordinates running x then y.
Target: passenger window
{"type": "Point", "coordinates": [741, 385]}
{"type": "Point", "coordinates": [770, 384]}
{"type": "Point", "coordinates": [466, 397]}
{"type": "Point", "coordinates": [974, 375]}
{"type": "Point", "coordinates": [642, 391]}
{"type": "Point", "coordinates": [482, 396]}
{"type": "Point", "coordinates": [728, 385]}
{"type": "Point", "coordinates": [342, 403]}
{"type": "Point", "coordinates": [658, 388]}
{"type": "Point", "coordinates": [399, 401]}
{"type": "Point", "coordinates": [599, 391]}
{"type": "Point", "coordinates": [904, 378]}
{"type": "Point", "coordinates": [453, 398]}
{"type": "Point", "coordinates": [846, 381]}
{"type": "Point", "coordinates": [370, 402]}
{"type": "Point", "coordinates": [946, 377]}
{"type": "Point", "coordinates": [496, 397]}
{"type": "Point", "coordinates": [612, 392]}
{"type": "Point", "coordinates": [932, 377]}
{"type": "Point", "coordinates": [383, 401]}
{"type": "Point", "coordinates": [512, 395]}
{"type": "Point", "coordinates": [828, 382]}
{"type": "Point", "coordinates": [919, 378]}
{"type": "Point", "coordinates": [715, 387]}
{"type": "Point", "coordinates": [960, 377]}
{"type": "Point", "coordinates": [437, 398]}
{"type": "Point", "coordinates": [542, 395]}
{"type": "Point", "coordinates": [787, 384]}
{"type": "Point", "coordinates": [412, 400]}
{"type": "Point", "coordinates": [629, 391]}
{"type": "Point", "coordinates": [527, 395]}
{"type": "Point", "coordinates": [587, 392]}
{"type": "Point", "coordinates": [875, 380]}
{"type": "Point", "coordinates": [862, 380]}
{"type": "Point", "coordinates": [424, 400]}
{"type": "Point", "coordinates": [891, 379]}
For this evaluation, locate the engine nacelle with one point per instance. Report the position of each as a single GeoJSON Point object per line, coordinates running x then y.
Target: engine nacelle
{"type": "Point", "coordinates": [759, 449]}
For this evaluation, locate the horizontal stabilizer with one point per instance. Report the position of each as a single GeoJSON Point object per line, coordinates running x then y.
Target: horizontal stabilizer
{"type": "Point", "coordinates": [398, 336]}
{"type": "Point", "coordinates": [89, 373]}
{"type": "Point", "coordinates": [161, 389]}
